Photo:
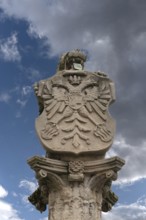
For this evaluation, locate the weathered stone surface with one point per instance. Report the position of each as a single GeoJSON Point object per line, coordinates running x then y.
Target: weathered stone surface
{"type": "Point", "coordinates": [76, 130]}
{"type": "Point", "coordinates": [74, 111]}
{"type": "Point", "coordinates": [75, 189]}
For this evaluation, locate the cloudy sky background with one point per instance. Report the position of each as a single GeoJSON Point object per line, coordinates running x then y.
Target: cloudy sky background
{"type": "Point", "coordinates": [33, 34]}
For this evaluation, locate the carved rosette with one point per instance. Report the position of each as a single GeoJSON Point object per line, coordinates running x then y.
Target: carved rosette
{"type": "Point", "coordinates": [75, 115]}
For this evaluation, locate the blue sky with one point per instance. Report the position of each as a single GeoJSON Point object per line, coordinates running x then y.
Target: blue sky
{"type": "Point", "coordinates": [33, 34]}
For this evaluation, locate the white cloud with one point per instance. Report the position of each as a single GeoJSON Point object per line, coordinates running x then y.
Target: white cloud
{"type": "Point", "coordinates": [46, 218]}
{"type": "Point", "coordinates": [22, 103]}
{"type": "Point", "coordinates": [66, 25]}
{"type": "Point", "coordinates": [132, 211]}
{"type": "Point", "coordinates": [102, 56]}
{"type": "Point", "coordinates": [3, 192]}
{"type": "Point", "coordinates": [58, 24]}
{"type": "Point", "coordinates": [28, 185]}
{"type": "Point", "coordinates": [14, 194]}
{"type": "Point", "coordinates": [134, 157]}
{"type": "Point", "coordinates": [9, 48]}
{"type": "Point", "coordinates": [33, 74]}
{"type": "Point", "coordinates": [24, 199]}
{"type": "Point", "coordinates": [26, 90]}
{"type": "Point", "coordinates": [7, 211]}
{"type": "Point", "coordinates": [18, 114]}
{"type": "Point", "coordinates": [4, 97]}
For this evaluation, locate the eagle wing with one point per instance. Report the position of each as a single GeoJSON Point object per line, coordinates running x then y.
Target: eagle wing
{"type": "Point", "coordinates": [98, 97]}
{"type": "Point", "coordinates": [55, 100]}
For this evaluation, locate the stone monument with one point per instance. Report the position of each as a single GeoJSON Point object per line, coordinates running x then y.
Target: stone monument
{"type": "Point", "coordinates": [76, 130]}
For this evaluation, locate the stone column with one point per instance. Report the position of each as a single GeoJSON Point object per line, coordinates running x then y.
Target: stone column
{"type": "Point", "coordinates": [76, 130]}
{"type": "Point", "coordinates": [75, 189]}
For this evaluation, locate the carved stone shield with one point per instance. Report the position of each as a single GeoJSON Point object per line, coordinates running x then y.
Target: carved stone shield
{"type": "Point", "coordinates": [75, 117]}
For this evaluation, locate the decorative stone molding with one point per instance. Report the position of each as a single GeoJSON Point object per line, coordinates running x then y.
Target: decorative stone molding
{"type": "Point", "coordinates": [96, 175]}
{"type": "Point", "coordinates": [62, 167]}
{"type": "Point", "coordinates": [65, 189]}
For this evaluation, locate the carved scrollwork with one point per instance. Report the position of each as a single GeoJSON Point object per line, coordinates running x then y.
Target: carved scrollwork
{"type": "Point", "coordinates": [103, 132]}
{"type": "Point", "coordinates": [42, 174]}
{"type": "Point", "coordinates": [49, 131]}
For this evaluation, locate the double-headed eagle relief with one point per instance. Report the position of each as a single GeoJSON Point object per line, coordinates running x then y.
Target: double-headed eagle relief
{"type": "Point", "coordinates": [74, 105]}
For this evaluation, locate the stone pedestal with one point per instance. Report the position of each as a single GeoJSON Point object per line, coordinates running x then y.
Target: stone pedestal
{"type": "Point", "coordinates": [75, 190]}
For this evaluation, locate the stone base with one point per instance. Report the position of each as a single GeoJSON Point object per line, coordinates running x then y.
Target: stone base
{"type": "Point", "coordinates": [75, 190]}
